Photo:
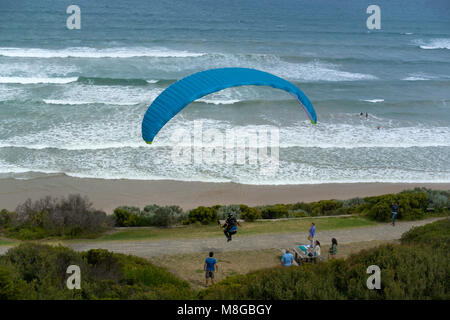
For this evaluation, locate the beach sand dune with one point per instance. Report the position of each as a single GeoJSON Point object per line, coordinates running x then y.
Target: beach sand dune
{"type": "Point", "coordinates": [108, 194]}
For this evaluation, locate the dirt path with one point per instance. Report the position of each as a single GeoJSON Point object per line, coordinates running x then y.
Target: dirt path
{"type": "Point", "coordinates": [153, 248]}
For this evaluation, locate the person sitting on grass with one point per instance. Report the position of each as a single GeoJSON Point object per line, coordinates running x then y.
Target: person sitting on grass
{"type": "Point", "coordinates": [287, 259]}
{"type": "Point", "coordinates": [333, 249]}
{"type": "Point", "coordinates": [210, 267]}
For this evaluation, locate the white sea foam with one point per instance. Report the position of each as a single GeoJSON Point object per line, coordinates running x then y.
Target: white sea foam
{"type": "Point", "coordinates": [419, 77]}
{"type": "Point", "coordinates": [439, 43]}
{"type": "Point", "coordinates": [99, 136]}
{"type": "Point", "coordinates": [81, 102]}
{"type": "Point", "coordinates": [35, 80]}
{"type": "Point", "coordinates": [76, 145]}
{"type": "Point", "coordinates": [303, 174]}
{"type": "Point", "coordinates": [217, 102]}
{"type": "Point", "coordinates": [106, 95]}
{"type": "Point", "coordinates": [415, 78]}
{"type": "Point", "coordinates": [30, 67]}
{"type": "Point", "coordinates": [86, 52]}
{"type": "Point", "coordinates": [305, 71]}
{"type": "Point", "coordinates": [11, 93]}
{"type": "Point", "coordinates": [317, 71]}
{"type": "Point", "coordinates": [374, 100]}
{"type": "Point", "coordinates": [113, 148]}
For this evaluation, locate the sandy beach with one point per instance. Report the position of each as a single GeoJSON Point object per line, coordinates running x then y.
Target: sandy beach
{"type": "Point", "coordinates": [108, 194]}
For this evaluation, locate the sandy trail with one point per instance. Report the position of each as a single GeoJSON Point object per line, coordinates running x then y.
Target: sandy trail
{"type": "Point", "coordinates": [153, 248]}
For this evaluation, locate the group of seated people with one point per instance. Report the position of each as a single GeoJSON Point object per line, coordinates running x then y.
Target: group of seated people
{"type": "Point", "coordinates": [309, 252]}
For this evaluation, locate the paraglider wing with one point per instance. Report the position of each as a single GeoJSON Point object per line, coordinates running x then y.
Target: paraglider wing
{"type": "Point", "coordinates": [193, 87]}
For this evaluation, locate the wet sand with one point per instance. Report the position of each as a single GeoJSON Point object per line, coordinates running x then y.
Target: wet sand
{"type": "Point", "coordinates": [108, 194]}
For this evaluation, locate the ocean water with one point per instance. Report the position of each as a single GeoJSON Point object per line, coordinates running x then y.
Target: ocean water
{"type": "Point", "coordinates": [72, 101]}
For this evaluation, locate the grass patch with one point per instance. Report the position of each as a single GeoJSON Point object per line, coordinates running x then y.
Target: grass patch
{"type": "Point", "coordinates": [6, 242]}
{"type": "Point", "coordinates": [189, 267]}
{"type": "Point", "coordinates": [249, 228]}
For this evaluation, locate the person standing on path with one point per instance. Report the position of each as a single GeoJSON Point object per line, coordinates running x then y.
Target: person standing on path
{"type": "Point", "coordinates": [333, 250]}
{"type": "Point", "coordinates": [210, 267]}
{"type": "Point", "coordinates": [312, 234]}
{"type": "Point", "coordinates": [394, 207]}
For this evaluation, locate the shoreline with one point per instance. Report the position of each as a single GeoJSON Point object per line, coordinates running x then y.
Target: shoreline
{"type": "Point", "coordinates": [106, 195]}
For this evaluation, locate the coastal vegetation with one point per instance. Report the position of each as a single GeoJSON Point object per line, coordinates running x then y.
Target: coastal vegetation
{"type": "Point", "coordinates": [36, 271]}
{"type": "Point", "coordinates": [151, 215]}
{"type": "Point", "coordinates": [74, 217]}
{"type": "Point", "coordinates": [433, 235]}
{"type": "Point", "coordinates": [403, 274]}
{"type": "Point", "coordinates": [414, 204]}
{"type": "Point", "coordinates": [71, 217]}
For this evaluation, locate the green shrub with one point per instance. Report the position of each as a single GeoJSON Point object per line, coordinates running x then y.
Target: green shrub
{"type": "Point", "coordinates": [166, 216]}
{"type": "Point", "coordinates": [274, 212]}
{"type": "Point", "coordinates": [7, 287]}
{"type": "Point", "coordinates": [131, 209]}
{"type": "Point", "coordinates": [124, 218]}
{"type": "Point", "coordinates": [433, 235]}
{"type": "Point", "coordinates": [95, 257]}
{"type": "Point", "coordinates": [35, 271]}
{"type": "Point", "coordinates": [223, 211]}
{"type": "Point", "coordinates": [26, 233]}
{"type": "Point", "coordinates": [47, 217]}
{"type": "Point", "coordinates": [380, 211]}
{"type": "Point", "coordinates": [352, 203]}
{"type": "Point", "coordinates": [324, 207]}
{"type": "Point", "coordinates": [403, 277]}
{"type": "Point", "coordinates": [306, 207]}
{"type": "Point", "coordinates": [6, 218]}
{"type": "Point", "coordinates": [299, 213]}
{"type": "Point", "coordinates": [152, 215]}
{"type": "Point", "coordinates": [439, 200]}
{"type": "Point", "coordinates": [249, 214]}
{"type": "Point", "coordinates": [145, 217]}
{"type": "Point", "coordinates": [137, 270]}
{"type": "Point", "coordinates": [204, 215]}
{"type": "Point", "coordinates": [412, 205]}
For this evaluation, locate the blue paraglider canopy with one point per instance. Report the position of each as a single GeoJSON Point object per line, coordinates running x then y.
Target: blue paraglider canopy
{"type": "Point", "coordinates": [193, 87]}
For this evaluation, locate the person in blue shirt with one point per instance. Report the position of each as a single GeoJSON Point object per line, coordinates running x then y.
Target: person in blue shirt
{"type": "Point", "coordinates": [210, 267]}
{"type": "Point", "coordinates": [394, 207]}
{"type": "Point", "coordinates": [312, 234]}
{"type": "Point", "coordinates": [230, 227]}
{"type": "Point", "coordinates": [287, 259]}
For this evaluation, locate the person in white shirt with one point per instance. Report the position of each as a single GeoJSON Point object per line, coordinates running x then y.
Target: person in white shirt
{"type": "Point", "coordinates": [317, 249]}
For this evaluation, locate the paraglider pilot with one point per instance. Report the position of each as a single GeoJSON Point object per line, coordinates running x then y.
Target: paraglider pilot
{"type": "Point", "coordinates": [230, 227]}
